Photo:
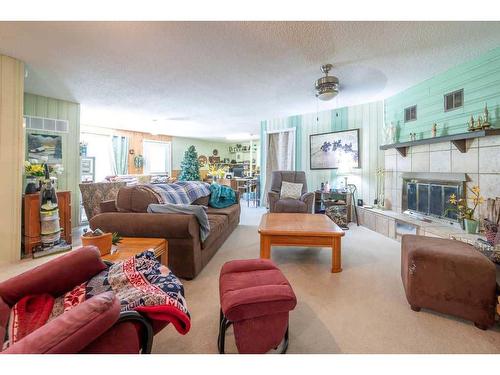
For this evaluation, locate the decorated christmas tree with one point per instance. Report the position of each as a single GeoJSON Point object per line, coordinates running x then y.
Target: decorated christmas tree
{"type": "Point", "coordinates": [190, 170]}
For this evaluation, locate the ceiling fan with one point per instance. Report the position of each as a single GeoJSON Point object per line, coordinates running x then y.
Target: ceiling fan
{"type": "Point", "coordinates": [327, 87]}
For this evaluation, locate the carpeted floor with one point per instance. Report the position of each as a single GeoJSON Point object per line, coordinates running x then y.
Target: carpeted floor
{"type": "Point", "coordinates": [360, 310]}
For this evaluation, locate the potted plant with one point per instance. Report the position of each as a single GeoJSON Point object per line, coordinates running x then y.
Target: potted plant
{"type": "Point", "coordinates": [103, 241]}
{"type": "Point", "coordinates": [464, 212]}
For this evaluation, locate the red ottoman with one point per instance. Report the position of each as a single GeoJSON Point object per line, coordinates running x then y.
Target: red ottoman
{"type": "Point", "coordinates": [255, 297]}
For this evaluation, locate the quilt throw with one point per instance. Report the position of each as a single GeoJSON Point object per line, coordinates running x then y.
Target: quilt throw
{"type": "Point", "coordinates": [180, 192]}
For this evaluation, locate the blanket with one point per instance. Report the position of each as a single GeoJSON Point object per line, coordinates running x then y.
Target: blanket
{"type": "Point", "coordinates": [141, 283]}
{"type": "Point", "coordinates": [181, 192]}
{"type": "Point", "coordinates": [198, 211]}
{"type": "Point", "coordinates": [221, 196]}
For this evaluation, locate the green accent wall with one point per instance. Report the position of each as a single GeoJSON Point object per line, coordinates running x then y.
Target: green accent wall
{"type": "Point", "coordinates": [41, 106]}
{"type": "Point", "coordinates": [480, 79]}
{"type": "Point", "coordinates": [181, 144]}
{"type": "Point", "coordinates": [366, 117]}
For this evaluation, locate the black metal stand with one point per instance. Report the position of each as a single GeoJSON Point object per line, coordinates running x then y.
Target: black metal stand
{"type": "Point", "coordinates": [224, 324]}
{"type": "Point", "coordinates": [352, 188]}
{"type": "Point", "coordinates": [146, 338]}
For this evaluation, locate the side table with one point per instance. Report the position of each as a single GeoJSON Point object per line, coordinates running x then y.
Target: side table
{"type": "Point", "coordinates": [131, 246]}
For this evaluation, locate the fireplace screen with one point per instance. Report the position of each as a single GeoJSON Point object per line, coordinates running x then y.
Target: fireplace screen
{"type": "Point", "coordinates": [430, 197]}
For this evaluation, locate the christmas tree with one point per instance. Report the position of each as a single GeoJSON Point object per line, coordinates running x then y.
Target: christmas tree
{"type": "Point", "coordinates": [190, 170]}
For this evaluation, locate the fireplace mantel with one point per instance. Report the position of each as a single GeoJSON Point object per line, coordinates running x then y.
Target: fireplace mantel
{"type": "Point", "coordinates": [459, 140]}
{"type": "Point", "coordinates": [435, 176]}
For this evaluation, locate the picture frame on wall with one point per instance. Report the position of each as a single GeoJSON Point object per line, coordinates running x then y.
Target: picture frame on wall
{"type": "Point", "coordinates": [45, 148]}
{"type": "Point", "coordinates": [331, 150]}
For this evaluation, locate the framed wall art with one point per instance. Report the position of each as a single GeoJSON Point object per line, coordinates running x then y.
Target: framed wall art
{"type": "Point", "coordinates": [44, 148]}
{"type": "Point", "coordinates": [331, 150]}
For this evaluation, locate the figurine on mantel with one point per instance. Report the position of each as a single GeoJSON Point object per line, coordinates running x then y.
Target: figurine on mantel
{"type": "Point", "coordinates": [486, 122]}
{"type": "Point", "coordinates": [482, 122]}
{"type": "Point", "coordinates": [390, 132]}
{"type": "Point", "coordinates": [434, 130]}
{"type": "Point", "coordinates": [471, 124]}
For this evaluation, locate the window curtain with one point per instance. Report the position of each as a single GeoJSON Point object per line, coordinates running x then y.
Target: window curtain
{"type": "Point", "coordinates": [280, 156]}
{"type": "Point", "coordinates": [120, 155]}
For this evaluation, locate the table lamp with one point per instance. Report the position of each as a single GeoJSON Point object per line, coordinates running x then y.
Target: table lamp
{"type": "Point", "coordinates": [345, 168]}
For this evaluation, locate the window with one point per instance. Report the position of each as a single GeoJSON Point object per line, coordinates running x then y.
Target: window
{"type": "Point", "coordinates": [411, 113]}
{"type": "Point", "coordinates": [454, 100]}
{"type": "Point", "coordinates": [100, 147]}
{"type": "Point", "coordinates": [157, 157]}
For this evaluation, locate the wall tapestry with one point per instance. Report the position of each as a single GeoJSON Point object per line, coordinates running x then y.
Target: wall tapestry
{"type": "Point", "coordinates": [45, 148]}
{"type": "Point", "coordinates": [331, 150]}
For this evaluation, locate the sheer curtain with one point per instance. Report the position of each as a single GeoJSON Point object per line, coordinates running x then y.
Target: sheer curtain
{"type": "Point", "coordinates": [280, 155]}
{"type": "Point", "coordinates": [120, 155]}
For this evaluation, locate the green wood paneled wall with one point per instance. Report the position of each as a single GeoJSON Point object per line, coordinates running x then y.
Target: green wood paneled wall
{"type": "Point", "coordinates": [36, 105]}
{"type": "Point", "coordinates": [480, 79]}
{"type": "Point", "coordinates": [367, 117]}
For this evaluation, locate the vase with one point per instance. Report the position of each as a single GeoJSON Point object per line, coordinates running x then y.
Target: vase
{"type": "Point", "coordinates": [470, 226]}
{"type": "Point", "coordinates": [32, 185]}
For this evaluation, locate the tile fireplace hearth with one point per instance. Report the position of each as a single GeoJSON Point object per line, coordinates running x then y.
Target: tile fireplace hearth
{"type": "Point", "coordinates": [394, 224]}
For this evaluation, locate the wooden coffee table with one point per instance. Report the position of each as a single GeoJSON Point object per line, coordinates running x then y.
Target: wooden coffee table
{"type": "Point", "coordinates": [131, 246]}
{"type": "Point", "coordinates": [284, 229]}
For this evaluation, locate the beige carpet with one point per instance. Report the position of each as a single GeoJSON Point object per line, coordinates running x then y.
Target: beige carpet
{"type": "Point", "coordinates": [361, 310]}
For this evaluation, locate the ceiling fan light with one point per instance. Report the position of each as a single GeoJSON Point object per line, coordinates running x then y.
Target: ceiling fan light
{"type": "Point", "coordinates": [327, 95]}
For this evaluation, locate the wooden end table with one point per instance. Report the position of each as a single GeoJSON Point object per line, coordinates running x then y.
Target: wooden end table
{"type": "Point", "coordinates": [288, 229]}
{"type": "Point", "coordinates": [131, 246]}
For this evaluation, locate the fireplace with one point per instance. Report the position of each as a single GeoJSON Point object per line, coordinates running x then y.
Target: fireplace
{"type": "Point", "coordinates": [428, 194]}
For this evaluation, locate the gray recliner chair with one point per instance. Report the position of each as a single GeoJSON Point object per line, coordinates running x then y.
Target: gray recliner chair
{"type": "Point", "coordinates": [304, 204]}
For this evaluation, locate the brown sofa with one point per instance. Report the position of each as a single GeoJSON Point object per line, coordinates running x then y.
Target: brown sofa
{"type": "Point", "coordinates": [450, 277]}
{"type": "Point", "coordinates": [187, 254]}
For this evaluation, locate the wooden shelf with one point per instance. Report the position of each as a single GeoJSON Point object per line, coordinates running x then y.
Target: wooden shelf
{"type": "Point", "coordinates": [459, 140]}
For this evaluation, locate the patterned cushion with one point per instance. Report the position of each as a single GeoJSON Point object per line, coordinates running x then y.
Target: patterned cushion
{"type": "Point", "coordinates": [95, 193]}
{"type": "Point", "coordinates": [290, 190]}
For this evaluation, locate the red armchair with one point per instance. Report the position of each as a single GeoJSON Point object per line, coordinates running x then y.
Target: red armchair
{"type": "Point", "coordinates": [95, 326]}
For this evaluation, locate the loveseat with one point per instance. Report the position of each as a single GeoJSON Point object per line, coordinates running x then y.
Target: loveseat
{"type": "Point", "coordinates": [187, 254]}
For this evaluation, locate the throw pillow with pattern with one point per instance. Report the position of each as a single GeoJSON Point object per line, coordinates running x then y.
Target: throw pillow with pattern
{"type": "Point", "coordinates": [290, 190]}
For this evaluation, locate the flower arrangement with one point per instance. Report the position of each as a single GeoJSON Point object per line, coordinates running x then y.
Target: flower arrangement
{"type": "Point", "coordinates": [461, 205]}
{"type": "Point", "coordinates": [216, 172]}
{"type": "Point", "coordinates": [33, 170]}
{"type": "Point", "coordinates": [37, 170]}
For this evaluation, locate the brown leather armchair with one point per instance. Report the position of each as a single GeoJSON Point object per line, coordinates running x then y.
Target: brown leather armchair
{"type": "Point", "coordinates": [304, 204]}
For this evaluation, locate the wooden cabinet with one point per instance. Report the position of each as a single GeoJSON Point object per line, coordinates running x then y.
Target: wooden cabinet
{"type": "Point", "coordinates": [370, 220]}
{"type": "Point", "coordinates": [377, 222]}
{"type": "Point", "coordinates": [31, 220]}
{"type": "Point", "coordinates": [382, 225]}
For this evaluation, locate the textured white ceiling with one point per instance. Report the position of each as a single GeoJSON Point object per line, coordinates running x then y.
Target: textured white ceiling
{"type": "Point", "coordinates": [212, 79]}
